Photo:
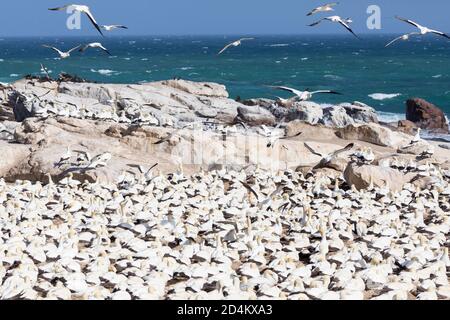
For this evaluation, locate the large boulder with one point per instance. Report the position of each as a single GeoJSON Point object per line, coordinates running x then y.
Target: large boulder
{"type": "Point", "coordinates": [363, 176]}
{"type": "Point", "coordinates": [417, 148]}
{"type": "Point", "coordinates": [208, 89]}
{"type": "Point", "coordinates": [375, 134]}
{"type": "Point", "coordinates": [407, 127]}
{"type": "Point", "coordinates": [307, 111]}
{"type": "Point", "coordinates": [360, 112]}
{"type": "Point", "coordinates": [426, 115]}
{"type": "Point", "coordinates": [336, 117]}
{"type": "Point", "coordinates": [256, 116]}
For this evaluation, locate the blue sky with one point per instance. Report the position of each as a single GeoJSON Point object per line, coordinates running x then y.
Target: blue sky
{"type": "Point", "coordinates": [193, 17]}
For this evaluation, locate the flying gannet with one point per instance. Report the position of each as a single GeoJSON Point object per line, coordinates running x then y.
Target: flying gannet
{"type": "Point", "coordinates": [304, 95]}
{"type": "Point", "coordinates": [62, 54]}
{"type": "Point", "coordinates": [337, 19]}
{"type": "Point", "coordinates": [234, 44]}
{"type": "Point", "coordinates": [324, 8]}
{"type": "Point", "coordinates": [82, 9]}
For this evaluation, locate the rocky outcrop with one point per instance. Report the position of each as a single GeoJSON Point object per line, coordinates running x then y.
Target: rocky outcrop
{"type": "Point", "coordinates": [336, 117]}
{"type": "Point", "coordinates": [360, 112]}
{"type": "Point", "coordinates": [306, 111]}
{"type": "Point", "coordinates": [375, 134]}
{"type": "Point", "coordinates": [364, 176]}
{"type": "Point", "coordinates": [418, 148]}
{"type": "Point", "coordinates": [256, 116]}
{"type": "Point", "coordinates": [426, 115]}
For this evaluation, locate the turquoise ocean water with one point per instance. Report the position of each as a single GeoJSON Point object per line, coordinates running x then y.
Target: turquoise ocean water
{"type": "Point", "coordinates": [361, 70]}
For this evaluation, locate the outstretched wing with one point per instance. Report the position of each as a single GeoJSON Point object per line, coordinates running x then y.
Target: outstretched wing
{"type": "Point", "coordinates": [415, 24]}
{"type": "Point", "coordinates": [347, 148]}
{"type": "Point", "coordinates": [326, 91]}
{"type": "Point", "coordinates": [246, 39]}
{"type": "Point", "coordinates": [61, 8]}
{"type": "Point", "coordinates": [346, 26]}
{"type": "Point", "coordinates": [53, 48]}
{"type": "Point", "coordinates": [250, 189]}
{"type": "Point", "coordinates": [73, 49]}
{"type": "Point", "coordinates": [225, 48]}
{"type": "Point", "coordinates": [394, 41]}
{"type": "Point", "coordinates": [312, 150]}
{"type": "Point", "coordinates": [439, 33]}
{"type": "Point", "coordinates": [316, 23]}
{"type": "Point", "coordinates": [291, 90]}
{"type": "Point", "coordinates": [91, 17]}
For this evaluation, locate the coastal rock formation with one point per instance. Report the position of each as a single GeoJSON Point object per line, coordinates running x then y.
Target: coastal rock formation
{"type": "Point", "coordinates": [407, 127]}
{"type": "Point", "coordinates": [360, 112]}
{"type": "Point", "coordinates": [375, 134]}
{"type": "Point", "coordinates": [336, 117]}
{"type": "Point", "coordinates": [368, 176]}
{"type": "Point", "coordinates": [418, 148]}
{"type": "Point", "coordinates": [256, 116]}
{"type": "Point", "coordinates": [307, 111]}
{"type": "Point", "coordinates": [426, 115]}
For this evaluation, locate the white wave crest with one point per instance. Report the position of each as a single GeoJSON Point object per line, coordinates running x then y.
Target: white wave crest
{"type": "Point", "coordinates": [384, 96]}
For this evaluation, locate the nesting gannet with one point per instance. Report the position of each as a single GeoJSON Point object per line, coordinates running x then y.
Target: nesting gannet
{"type": "Point", "coordinates": [423, 30]}
{"type": "Point", "coordinates": [234, 44]}
{"type": "Point", "coordinates": [82, 9]}
{"type": "Point", "coordinates": [417, 137]}
{"type": "Point", "coordinates": [62, 54]}
{"type": "Point", "coordinates": [337, 19]}
{"type": "Point", "coordinates": [113, 27]}
{"type": "Point", "coordinates": [404, 37]}
{"type": "Point", "coordinates": [365, 155]}
{"type": "Point", "coordinates": [304, 95]}
{"type": "Point", "coordinates": [94, 45]}
{"type": "Point", "coordinates": [325, 8]}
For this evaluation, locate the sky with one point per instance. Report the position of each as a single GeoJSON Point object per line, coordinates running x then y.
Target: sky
{"type": "Point", "coordinates": [215, 17]}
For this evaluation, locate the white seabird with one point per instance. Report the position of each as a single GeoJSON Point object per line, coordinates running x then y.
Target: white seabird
{"type": "Point", "coordinates": [94, 45]}
{"type": "Point", "coordinates": [304, 95]}
{"type": "Point", "coordinates": [325, 8]}
{"type": "Point", "coordinates": [234, 44]}
{"type": "Point", "coordinates": [82, 9]}
{"type": "Point", "coordinates": [423, 30]}
{"type": "Point", "coordinates": [337, 19]}
{"type": "Point", "coordinates": [404, 37]}
{"type": "Point", "coordinates": [112, 27]}
{"type": "Point", "coordinates": [62, 54]}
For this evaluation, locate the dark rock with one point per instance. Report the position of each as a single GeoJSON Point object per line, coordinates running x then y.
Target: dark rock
{"type": "Point", "coordinates": [426, 115]}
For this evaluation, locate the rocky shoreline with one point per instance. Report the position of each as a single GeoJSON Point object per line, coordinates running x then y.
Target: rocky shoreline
{"type": "Point", "coordinates": [171, 190]}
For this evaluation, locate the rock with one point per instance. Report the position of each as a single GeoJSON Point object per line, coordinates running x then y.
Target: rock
{"type": "Point", "coordinates": [362, 176]}
{"type": "Point", "coordinates": [360, 112]}
{"type": "Point", "coordinates": [417, 148]}
{"type": "Point", "coordinates": [424, 183]}
{"type": "Point", "coordinates": [307, 111]}
{"type": "Point", "coordinates": [256, 116]}
{"type": "Point", "coordinates": [426, 115]}
{"type": "Point", "coordinates": [407, 127]}
{"type": "Point", "coordinates": [207, 89]}
{"type": "Point", "coordinates": [336, 117]}
{"type": "Point", "coordinates": [261, 102]}
{"type": "Point", "coordinates": [375, 134]}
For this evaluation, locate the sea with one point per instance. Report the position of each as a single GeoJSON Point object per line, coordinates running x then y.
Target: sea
{"type": "Point", "coordinates": [362, 70]}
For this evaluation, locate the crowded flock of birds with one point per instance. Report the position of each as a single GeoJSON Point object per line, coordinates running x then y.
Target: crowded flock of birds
{"type": "Point", "coordinates": [224, 235]}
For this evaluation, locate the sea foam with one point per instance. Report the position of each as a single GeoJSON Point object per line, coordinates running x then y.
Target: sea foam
{"type": "Point", "coordinates": [384, 96]}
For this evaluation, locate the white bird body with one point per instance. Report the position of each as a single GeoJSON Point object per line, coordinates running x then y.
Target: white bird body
{"type": "Point", "coordinates": [404, 37]}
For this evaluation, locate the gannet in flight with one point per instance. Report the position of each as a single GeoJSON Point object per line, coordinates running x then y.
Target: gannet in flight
{"type": "Point", "coordinates": [304, 95]}
{"type": "Point", "coordinates": [403, 37]}
{"type": "Point", "coordinates": [423, 30]}
{"type": "Point", "coordinates": [324, 8]}
{"type": "Point", "coordinates": [326, 159]}
{"type": "Point", "coordinates": [94, 45]}
{"type": "Point", "coordinates": [62, 55]}
{"type": "Point", "coordinates": [82, 9]}
{"type": "Point", "coordinates": [234, 44]}
{"type": "Point", "coordinates": [343, 22]}
{"type": "Point", "coordinates": [112, 27]}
